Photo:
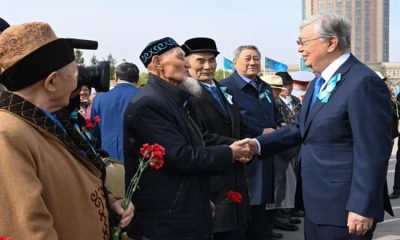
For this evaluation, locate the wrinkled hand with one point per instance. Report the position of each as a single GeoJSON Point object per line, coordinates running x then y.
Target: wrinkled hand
{"type": "Point", "coordinates": [252, 143]}
{"type": "Point", "coordinates": [267, 130]}
{"type": "Point", "coordinates": [126, 217]}
{"type": "Point", "coordinates": [241, 151]}
{"type": "Point", "coordinates": [357, 224]}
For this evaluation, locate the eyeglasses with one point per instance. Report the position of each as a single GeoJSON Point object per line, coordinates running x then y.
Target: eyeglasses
{"type": "Point", "coordinates": [302, 43]}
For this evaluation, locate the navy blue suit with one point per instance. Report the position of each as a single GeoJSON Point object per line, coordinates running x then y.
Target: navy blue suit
{"type": "Point", "coordinates": [258, 111]}
{"type": "Point", "coordinates": [111, 106]}
{"type": "Point", "coordinates": [345, 147]}
{"type": "Point", "coordinates": [256, 114]}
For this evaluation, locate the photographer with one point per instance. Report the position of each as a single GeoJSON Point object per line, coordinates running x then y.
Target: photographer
{"type": "Point", "coordinates": [52, 182]}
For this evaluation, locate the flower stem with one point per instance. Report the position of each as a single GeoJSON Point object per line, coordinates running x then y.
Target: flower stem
{"type": "Point", "coordinates": [132, 188]}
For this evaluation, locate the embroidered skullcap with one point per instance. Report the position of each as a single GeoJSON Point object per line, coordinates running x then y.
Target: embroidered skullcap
{"type": "Point", "coordinates": [157, 47]}
{"type": "Point", "coordinates": [30, 52]}
{"type": "Point", "coordinates": [199, 44]}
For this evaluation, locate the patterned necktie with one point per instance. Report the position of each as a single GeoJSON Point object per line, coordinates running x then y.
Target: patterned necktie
{"type": "Point", "coordinates": [214, 93]}
{"type": "Point", "coordinates": [317, 87]}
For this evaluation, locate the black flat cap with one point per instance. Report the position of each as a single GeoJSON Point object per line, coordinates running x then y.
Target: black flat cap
{"type": "Point", "coordinates": [199, 44]}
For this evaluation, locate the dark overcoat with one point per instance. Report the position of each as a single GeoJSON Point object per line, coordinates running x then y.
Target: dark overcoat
{"type": "Point", "coordinates": [222, 126]}
{"type": "Point", "coordinates": [258, 111]}
{"type": "Point", "coordinates": [172, 203]}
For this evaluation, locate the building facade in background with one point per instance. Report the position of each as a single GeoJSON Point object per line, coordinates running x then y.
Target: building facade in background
{"type": "Point", "coordinates": [370, 25]}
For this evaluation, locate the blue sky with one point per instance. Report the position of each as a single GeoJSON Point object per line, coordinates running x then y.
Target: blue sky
{"type": "Point", "coordinates": [123, 28]}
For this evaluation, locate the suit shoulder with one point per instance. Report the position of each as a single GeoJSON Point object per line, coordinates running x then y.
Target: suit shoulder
{"type": "Point", "coordinates": [363, 71]}
{"type": "Point", "coordinates": [227, 80]}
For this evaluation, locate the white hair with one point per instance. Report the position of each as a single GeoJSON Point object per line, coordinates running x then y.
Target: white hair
{"type": "Point", "coordinates": [331, 25]}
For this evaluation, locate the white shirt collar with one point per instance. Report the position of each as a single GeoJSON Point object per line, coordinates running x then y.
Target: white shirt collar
{"type": "Point", "coordinates": [334, 66]}
{"type": "Point", "coordinates": [287, 100]}
{"type": "Point", "coordinates": [246, 79]}
{"type": "Point", "coordinates": [207, 84]}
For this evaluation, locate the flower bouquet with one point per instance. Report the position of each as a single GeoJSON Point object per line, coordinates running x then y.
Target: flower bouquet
{"type": "Point", "coordinates": [152, 156]}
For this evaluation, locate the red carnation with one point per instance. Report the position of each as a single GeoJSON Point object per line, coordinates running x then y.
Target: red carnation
{"type": "Point", "coordinates": [156, 164]}
{"type": "Point", "coordinates": [155, 153]}
{"type": "Point", "coordinates": [152, 156]}
{"type": "Point", "coordinates": [89, 124]}
{"type": "Point", "coordinates": [97, 119]}
{"type": "Point", "coordinates": [234, 197]}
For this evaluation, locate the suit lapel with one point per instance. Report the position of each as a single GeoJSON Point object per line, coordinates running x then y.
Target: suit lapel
{"type": "Point", "coordinates": [211, 100]}
{"type": "Point", "coordinates": [285, 108]}
{"type": "Point", "coordinates": [304, 106]}
{"type": "Point", "coordinates": [318, 105]}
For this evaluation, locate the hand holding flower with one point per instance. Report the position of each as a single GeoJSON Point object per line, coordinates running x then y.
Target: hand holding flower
{"type": "Point", "coordinates": [152, 156]}
{"type": "Point", "coordinates": [127, 215]}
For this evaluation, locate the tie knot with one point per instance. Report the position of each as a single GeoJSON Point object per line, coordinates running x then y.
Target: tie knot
{"type": "Point", "coordinates": [212, 88]}
{"type": "Point", "coordinates": [254, 83]}
{"type": "Point", "coordinates": [320, 80]}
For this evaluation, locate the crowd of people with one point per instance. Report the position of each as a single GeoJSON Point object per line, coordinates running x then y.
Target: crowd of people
{"type": "Point", "coordinates": [287, 151]}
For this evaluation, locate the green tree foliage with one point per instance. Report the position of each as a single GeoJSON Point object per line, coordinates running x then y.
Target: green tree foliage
{"type": "Point", "coordinates": [93, 60]}
{"type": "Point", "coordinates": [79, 56]}
{"type": "Point", "coordinates": [113, 64]}
{"type": "Point", "coordinates": [219, 74]}
{"type": "Point", "coordinates": [142, 78]}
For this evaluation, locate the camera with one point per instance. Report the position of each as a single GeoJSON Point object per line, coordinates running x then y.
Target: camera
{"type": "Point", "coordinates": [97, 76]}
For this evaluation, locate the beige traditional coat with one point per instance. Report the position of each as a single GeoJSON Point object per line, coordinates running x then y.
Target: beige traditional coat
{"type": "Point", "coordinates": [48, 190]}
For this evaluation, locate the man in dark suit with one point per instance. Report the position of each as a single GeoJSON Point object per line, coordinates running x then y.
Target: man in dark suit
{"type": "Point", "coordinates": [110, 107]}
{"type": "Point", "coordinates": [219, 120]}
{"type": "Point", "coordinates": [257, 107]}
{"type": "Point", "coordinates": [344, 129]}
{"type": "Point", "coordinates": [287, 104]}
{"type": "Point", "coordinates": [173, 202]}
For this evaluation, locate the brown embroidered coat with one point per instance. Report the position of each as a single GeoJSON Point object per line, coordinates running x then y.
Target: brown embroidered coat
{"type": "Point", "coordinates": [51, 185]}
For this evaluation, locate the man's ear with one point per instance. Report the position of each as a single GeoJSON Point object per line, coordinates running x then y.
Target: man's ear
{"type": "Point", "coordinates": [156, 61]}
{"type": "Point", "coordinates": [234, 62]}
{"type": "Point", "coordinates": [50, 82]}
{"type": "Point", "coordinates": [333, 44]}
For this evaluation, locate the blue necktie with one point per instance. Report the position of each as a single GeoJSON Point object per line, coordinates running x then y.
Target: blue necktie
{"type": "Point", "coordinates": [214, 93]}
{"type": "Point", "coordinates": [254, 83]}
{"type": "Point", "coordinates": [317, 87]}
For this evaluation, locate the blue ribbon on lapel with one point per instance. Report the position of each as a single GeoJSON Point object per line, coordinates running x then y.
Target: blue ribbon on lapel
{"type": "Point", "coordinates": [265, 95]}
{"type": "Point", "coordinates": [227, 96]}
{"type": "Point", "coordinates": [325, 94]}
{"type": "Point", "coordinates": [223, 90]}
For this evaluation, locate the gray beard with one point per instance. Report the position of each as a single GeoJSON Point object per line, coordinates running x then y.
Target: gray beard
{"type": "Point", "coordinates": [191, 86]}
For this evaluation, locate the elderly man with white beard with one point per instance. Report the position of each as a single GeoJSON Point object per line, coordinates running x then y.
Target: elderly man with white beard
{"type": "Point", "coordinates": [173, 202]}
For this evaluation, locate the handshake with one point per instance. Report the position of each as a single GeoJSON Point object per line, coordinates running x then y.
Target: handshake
{"type": "Point", "coordinates": [243, 150]}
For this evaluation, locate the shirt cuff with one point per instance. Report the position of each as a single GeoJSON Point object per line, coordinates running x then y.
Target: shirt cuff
{"type": "Point", "coordinates": [259, 147]}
